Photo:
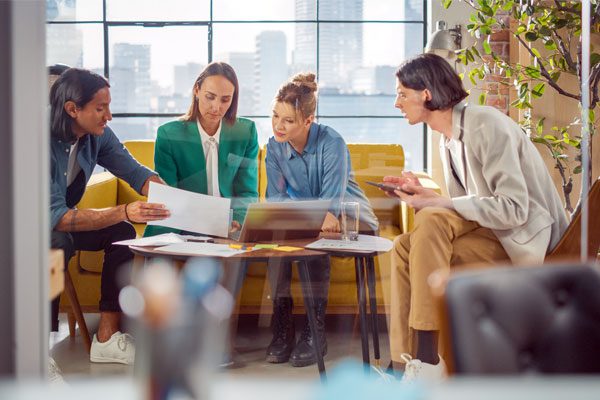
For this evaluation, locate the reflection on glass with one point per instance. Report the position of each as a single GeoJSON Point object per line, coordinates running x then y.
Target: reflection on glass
{"type": "Point", "coordinates": [362, 58]}
{"type": "Point", "coordinates": [75, 45]}
{"type": "Point", "coordinates": [264, 56]}
{"type": "Point", "coordinates": [158, 10]}
{"type": "Point", "coordinates": [137, 128]}
{"type": "Point", "coordinates": [74, 10]}
{"type": "Point", "coordinates": [383, 130]}
{"type": "Point", "coordinates": [244, 10]}
{"type": "Point", "coordinates": [379, 10]}
{"type": "Point", "coordinates": [148, 70]}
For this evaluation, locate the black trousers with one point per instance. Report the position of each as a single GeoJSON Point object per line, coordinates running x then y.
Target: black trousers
{"type": "Point", "coordinates": [280, 277]}
{"type": "Point", "coordinates": [117, 260]}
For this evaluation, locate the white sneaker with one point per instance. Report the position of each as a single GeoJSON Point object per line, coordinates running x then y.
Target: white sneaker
{"type": "Point", "coordinates": [417, 370]}
{"type": "Point", "coordinates": [118, 349]}
{"type": "Point", "coordinates": [54, 373]}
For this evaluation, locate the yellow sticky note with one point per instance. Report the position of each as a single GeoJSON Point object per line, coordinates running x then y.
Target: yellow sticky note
{"type": "Point", "coordinates": [236, 246]}
{"type": "Point", "coordinates": [287, 248]}
{"type": "Point", "coordinates": [265, 246]}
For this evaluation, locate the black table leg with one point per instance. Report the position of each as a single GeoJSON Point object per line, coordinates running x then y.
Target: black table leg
{"type": "Point", "coordinates": [362, 310]}
{"type": "Point", "coordinates": [373, 305]}
{"type": "Point", "coordinates": [310, 314]}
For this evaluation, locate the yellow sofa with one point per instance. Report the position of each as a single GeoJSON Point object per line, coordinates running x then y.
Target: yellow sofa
{"type": "Point", "coordinates": [369, 161]}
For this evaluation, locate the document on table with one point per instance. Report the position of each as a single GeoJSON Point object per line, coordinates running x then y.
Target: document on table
{"type": "Point", "coordinates": [163, 240]}
{"type": "Point", "coordinates": [193, 212]}
{"type": "Point", "coordinates": [200, 249]}
{"type": "Point", "coordinates": [366, 243]}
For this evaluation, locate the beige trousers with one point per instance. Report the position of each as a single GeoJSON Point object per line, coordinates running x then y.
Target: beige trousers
{"type": "Point", "coordinates": [441, 239]}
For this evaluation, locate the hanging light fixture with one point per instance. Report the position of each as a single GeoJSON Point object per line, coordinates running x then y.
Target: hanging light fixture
{"type": "Point", "coordinates": [444, 41]}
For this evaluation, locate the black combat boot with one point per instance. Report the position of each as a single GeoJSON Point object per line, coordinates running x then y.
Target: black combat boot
{"type": "Point", "coordinates": [304, 353]}
{"type": "Point", "coordinates": [284, 333]}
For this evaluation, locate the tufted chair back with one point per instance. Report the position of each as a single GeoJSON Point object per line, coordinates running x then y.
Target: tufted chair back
{"type": "Point", "coordinates": [525, 320]}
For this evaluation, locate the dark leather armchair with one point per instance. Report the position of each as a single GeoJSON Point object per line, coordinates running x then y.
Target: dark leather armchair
{"type": "Point", "coordinates": [525, 320]}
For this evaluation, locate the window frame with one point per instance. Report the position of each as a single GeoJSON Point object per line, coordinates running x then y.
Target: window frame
{"type": "Point", "coordinates": [106, 24]}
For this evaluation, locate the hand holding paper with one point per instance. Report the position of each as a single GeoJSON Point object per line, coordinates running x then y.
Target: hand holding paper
{"type": "Point", "coordinates": [191, 211]}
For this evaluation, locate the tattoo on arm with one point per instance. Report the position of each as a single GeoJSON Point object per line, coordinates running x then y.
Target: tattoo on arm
{"type": "Point", "coordinates": [73, 219]}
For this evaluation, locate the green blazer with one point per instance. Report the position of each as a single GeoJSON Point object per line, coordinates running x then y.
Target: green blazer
{"type": "Point", "coordinates": [179, 160]}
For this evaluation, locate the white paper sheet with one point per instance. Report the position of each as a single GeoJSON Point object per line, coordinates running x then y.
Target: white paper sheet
{"type": "Point", "coordinates": [191, 211]}
{"type": "Point", "coordinates": [200, 249]}
{"type": "Point", "coordinates": [162, 240]}
{"type": "Point", "coordinates": [364, 243]}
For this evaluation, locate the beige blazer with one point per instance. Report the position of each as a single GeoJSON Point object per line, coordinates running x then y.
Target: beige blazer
{"type": "Point", "coordinates": [508, 188]}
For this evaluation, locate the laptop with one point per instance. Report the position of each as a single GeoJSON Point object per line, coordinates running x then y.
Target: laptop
{"type": "Point", "coordinates": [286, 220]}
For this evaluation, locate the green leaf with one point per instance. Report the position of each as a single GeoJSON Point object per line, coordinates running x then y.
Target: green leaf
{"type": "Point", "coordinates": [470, 55]}
{"type": "Point", "coordinates": [555, 75]}
{"type": "Point", "coordinates": [536, 52]}
{"type": "Point", "coordinates": [531, 36]}
{"type": "Point", "coordinates": [577, 169]}
{"type": "Point", "coordinates": [540, 126]}
{"type": "Point", "coordinates": [482, 97]}
{"type": "Point", "coordinates": [507, 6]}
{"type": "Point", "coordinates": [486, 47]}
{"type": "Point", "coordinates": [538, 90]}
{"type": "Point", "coordinates": [447, 3]}
{"type": "Point", "coordinates": [594, 59]}
{"type": "Point", "coordinates": [550, 45]}
{"type": "Point", "coordinates": [533, 72]}
{"type": "Point", "coordinates": [520, 29]}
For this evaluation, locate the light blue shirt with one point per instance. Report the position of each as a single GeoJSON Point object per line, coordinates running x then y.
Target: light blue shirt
{"type": "Point", "coordinates": [323, 171]}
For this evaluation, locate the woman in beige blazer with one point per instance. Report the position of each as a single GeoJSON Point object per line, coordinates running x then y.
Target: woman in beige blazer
{"type": "Point", "coordinates": [503, 205]}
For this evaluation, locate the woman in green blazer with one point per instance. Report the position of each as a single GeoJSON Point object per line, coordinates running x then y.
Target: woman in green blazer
{"type": "Point", "coordinates": [209, 150]}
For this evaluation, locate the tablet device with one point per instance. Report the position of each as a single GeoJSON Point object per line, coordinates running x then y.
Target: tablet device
{"type": "Point", "coordinates": [387, 187]}
{"type": "Point", "coordinates": [286, 220]}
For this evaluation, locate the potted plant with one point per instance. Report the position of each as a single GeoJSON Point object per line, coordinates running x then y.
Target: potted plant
{"type": "Point", "coordinates": [552, 27]}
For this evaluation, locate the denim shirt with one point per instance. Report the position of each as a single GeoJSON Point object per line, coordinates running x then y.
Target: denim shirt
{"type": "Point", "coordinates": [323, 171]}
{"type": "Point", "coordinates": [105, 150]}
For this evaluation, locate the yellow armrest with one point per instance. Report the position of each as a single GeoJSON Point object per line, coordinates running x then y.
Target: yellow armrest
{"type": "Point", "coordinates": [100, 192]}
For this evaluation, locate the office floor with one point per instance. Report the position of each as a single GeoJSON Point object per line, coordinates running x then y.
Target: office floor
{"type": "Point", "coordinates": [343, 338]}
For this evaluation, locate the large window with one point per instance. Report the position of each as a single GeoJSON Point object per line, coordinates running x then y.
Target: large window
{"type": "Point", "coordinates": [152, 51]}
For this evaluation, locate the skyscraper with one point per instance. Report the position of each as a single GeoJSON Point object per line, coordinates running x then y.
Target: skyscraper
{"type": "Point", "coordinates": [340, 44]}
{"type": "Point", "coordinates": [184, 77]}
{"type": "Point", "coordinates": [130, 78]}
{"type": "Point", "coordinates": [243, 64]}
{"type": "Point", "coordinates": [270, 68]}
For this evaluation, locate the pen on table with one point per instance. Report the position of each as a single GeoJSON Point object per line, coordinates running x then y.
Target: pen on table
{"type": "Point", "coordinates": [200, 240]}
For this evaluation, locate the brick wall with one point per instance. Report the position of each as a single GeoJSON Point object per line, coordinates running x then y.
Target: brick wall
{"type": "Point", "coordinates": [497, 93]}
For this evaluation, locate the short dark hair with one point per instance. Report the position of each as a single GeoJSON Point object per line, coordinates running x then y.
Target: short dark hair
{"type": "Point", "coordinates": [215, 68]}
{"type": "Point", "coordinates": [432, 72]}
{"type": "Point", "coordinates": [76, 85]}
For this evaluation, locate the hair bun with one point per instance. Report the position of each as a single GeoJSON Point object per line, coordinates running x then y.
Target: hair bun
{"type": "Point", "coordinates": [306, 80]}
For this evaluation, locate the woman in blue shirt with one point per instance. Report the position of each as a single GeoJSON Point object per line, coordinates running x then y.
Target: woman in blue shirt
{"type": "Point", "coordinates": [306, 160]}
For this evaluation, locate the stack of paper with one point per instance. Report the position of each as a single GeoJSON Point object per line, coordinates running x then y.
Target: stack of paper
{"type": "Point", "coordinates": [365, 243]}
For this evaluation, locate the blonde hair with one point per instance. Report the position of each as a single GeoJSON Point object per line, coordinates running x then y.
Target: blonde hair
{"type": "Point", "coordinates": [301, 93]}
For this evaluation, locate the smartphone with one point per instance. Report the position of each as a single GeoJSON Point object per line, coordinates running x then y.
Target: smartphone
{"type": "Point", "coordinates": [387, 187]}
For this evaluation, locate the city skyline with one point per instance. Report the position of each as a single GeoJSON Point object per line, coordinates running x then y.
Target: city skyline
{"type": "Point", "coordinates": [149, 72]}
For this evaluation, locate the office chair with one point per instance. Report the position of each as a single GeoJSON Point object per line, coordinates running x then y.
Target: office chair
{"type": "Point", "coordinates": [520, 320]}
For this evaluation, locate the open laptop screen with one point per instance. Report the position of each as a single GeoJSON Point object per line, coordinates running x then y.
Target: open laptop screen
{"type": "Point", "coordinates": [286, 220]}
